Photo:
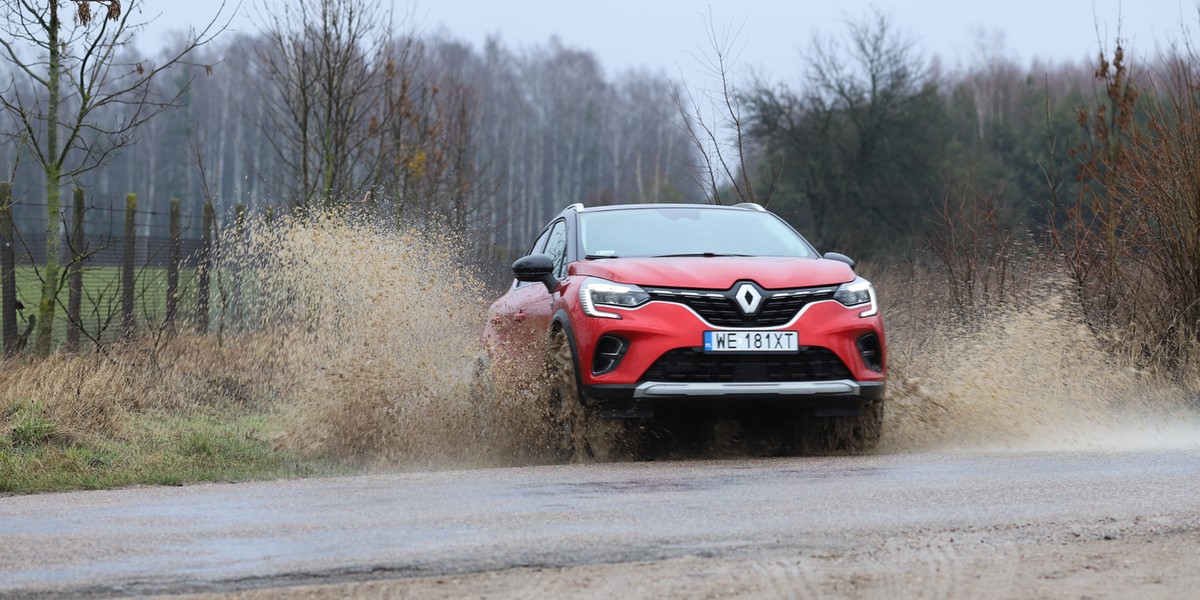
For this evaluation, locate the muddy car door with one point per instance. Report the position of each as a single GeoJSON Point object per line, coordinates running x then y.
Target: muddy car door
{"type": "Point", "coordinates": [519, 322]}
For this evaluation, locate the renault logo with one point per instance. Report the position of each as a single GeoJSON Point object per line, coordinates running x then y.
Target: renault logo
{"type": "Point", "coordinates": [748, 298]}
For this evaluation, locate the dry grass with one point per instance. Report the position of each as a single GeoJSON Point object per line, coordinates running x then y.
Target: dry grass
{"type": "Point", "coordinates": [184, 411]}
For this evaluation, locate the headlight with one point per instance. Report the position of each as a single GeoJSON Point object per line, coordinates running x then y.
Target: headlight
{"type": "Point", "coordinates": [596, 293]}
{"type": "Point", "coordinates": [859, 292]}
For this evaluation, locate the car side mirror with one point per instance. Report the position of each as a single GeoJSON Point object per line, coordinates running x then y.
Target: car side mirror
{"type": "Point", "coordinates": [536, 267]}
{"type": "Point", "coordinates": [842, 258]}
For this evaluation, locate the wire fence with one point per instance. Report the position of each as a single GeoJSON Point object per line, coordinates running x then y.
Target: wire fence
{"type": "Point", "coordinates": [110, 285]}
{"type": "Point", "coordinates": [107, 250]}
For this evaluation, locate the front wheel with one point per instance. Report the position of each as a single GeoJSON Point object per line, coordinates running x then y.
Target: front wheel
{"type": "Point", "coordinates": [841, 434]}
{"type": "Point", "coordinates": [576, 431]}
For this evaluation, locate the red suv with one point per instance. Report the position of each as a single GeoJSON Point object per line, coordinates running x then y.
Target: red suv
{"type": "Point", "coordinates": [664, 310]}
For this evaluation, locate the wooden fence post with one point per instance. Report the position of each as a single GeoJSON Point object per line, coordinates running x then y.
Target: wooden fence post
{"type": "Point", "coordinates": [202, 270]}
{"type": "Point", "coordinates": [75, 275]}
{"type": "Point", "coordinates": [173, 266]}
{"type": "Point", "coordinates": [8, 271]}
{"type": "Point", "coordinates": [128, 280]}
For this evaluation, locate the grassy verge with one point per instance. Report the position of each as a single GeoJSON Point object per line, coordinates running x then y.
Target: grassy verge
{"type": "Point", "coordinates": [156, 447]}
{"type": "Point", "coordinates": [187, 410]}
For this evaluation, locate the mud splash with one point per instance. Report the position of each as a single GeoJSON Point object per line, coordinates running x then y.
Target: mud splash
{"type": "Point", "coordinates": [379, 333]}
{"type": "Point", "coordinates": [1030, 377]}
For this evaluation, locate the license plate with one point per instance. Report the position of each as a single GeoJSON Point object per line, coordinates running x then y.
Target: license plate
{"type": "Point", "coordinates": [751, 341]}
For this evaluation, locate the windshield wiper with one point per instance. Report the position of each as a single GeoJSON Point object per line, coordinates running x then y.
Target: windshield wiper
{"type": "Point", "coordinates": [701, 254]}
{"type": "Point", "coordinates": [599, 256]}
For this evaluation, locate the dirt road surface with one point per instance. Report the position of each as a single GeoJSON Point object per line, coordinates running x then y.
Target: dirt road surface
{"type": "Point", "coordinates": [998, 525]}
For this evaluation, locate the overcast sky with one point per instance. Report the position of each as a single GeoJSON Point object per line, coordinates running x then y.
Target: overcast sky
{"type": "Point", "coordinates": [667, 34]}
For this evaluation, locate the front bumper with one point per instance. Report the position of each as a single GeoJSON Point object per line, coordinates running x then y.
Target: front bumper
{"type": "Point", "coordinates": [659, 390]}
{"type": "Point", "coordinates": [822, 398]}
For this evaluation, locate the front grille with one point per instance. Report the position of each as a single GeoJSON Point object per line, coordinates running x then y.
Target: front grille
{"type": "Point", "coordinates": [720, 309]}
{"type": "Point", "coordinates": [778, 311]}
{"type": "Point", "coordinates": [688, 365]}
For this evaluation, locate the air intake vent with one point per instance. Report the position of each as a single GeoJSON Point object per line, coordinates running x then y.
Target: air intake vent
{"type": "Point", "coordinates": [609, 352]}
{"type": "Point", "coordinates": [871, 352]}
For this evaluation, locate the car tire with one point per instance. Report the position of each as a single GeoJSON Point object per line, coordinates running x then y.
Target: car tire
{"type": "Point", "coordinates": [841, 435]}
{"type": "Point", "coordinates": [576, 430]}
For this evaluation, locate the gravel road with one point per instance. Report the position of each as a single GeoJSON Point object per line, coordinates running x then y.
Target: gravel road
{"type": "Point", "coordinates": [1081, 524]}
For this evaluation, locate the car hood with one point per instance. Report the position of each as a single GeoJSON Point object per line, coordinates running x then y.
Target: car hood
{"type": "Point", "coordinates": [719, 272]}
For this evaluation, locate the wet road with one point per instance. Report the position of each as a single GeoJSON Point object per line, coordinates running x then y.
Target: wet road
{"type": "Point", "coordinates": [226, 537]}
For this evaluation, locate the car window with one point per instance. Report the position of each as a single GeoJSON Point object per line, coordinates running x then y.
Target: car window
{"type": "Point", "coordinates": [681, 231]}
{"type": "Point", "coordinates": [539, 245]}
{"type": "Point", "coordinates": [556, 247]}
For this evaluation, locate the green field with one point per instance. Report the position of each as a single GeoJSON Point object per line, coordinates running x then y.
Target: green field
{"type": "Point", "coordinates": [101, 304]}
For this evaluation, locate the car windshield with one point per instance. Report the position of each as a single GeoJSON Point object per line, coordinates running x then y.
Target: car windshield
{"type": "Point", "coordinates": [684, 231]}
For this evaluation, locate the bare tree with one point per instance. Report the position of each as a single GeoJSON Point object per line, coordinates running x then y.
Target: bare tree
{"type": "Point", "coordinates": [712, 120]}
{"type": "Point", "coordinates": [327, 67]}
{"type": "Point", "coordinates": [427, 148]}
{"type": "Point", "coordinates": [74, 99]}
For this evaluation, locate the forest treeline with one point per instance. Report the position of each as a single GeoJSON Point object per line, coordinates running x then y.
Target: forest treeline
{"type": "Point", "coordinates": [491, 140]}
{"type": "Point", "coordinates": [878, 149]}
{"type": "Point", "coordinates": [859, 154]}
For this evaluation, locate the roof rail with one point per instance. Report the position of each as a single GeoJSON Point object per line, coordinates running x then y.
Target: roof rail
{"type": "Point", "coordinates": [577, 207]}
{"type": "Point", "coordinates": [750, 206]}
